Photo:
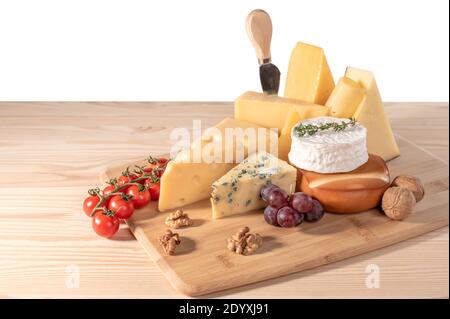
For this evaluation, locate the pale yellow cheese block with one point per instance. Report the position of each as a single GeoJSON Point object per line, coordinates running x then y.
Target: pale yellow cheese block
{"type": "Point", "coordinates": [271, 111]}
{"type": "Point", "coordinates": [309, 77]}
{"type": "Point", "coordinates": [244, 140]}
{"type": "Point", "coordinates": [370, 113]}
{"type": "Point", "coordinates": [284, 142]}
{"type": "Point", "coordinates": [293, 118]}
{"type": "Point", "coordinates": [188, 177]}
{"type": "Point", "coordinates": [345, 98]}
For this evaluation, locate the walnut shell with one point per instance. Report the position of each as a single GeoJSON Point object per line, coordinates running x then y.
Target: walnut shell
{"type": "Point", "coordinates": [169, 242]}
{"type": "Point", "coordinates": [412, 183]}
{"type": "Point", "coordinates": [178, 219]}
{"type": "Point", "coordinates": [398, 202]}
{"type": "Point", "coordinates": [244, 243]}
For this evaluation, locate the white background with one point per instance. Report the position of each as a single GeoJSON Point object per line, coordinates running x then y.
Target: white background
{"type": "Point", "coordinates": [198, 50]}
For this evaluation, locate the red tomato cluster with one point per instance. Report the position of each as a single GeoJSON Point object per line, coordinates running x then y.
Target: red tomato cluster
{"type": "Point", "coordinates": [122, 195]}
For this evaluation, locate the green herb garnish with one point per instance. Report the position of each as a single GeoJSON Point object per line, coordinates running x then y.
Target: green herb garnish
{"type": "Point", "coordinates": [310, 129]}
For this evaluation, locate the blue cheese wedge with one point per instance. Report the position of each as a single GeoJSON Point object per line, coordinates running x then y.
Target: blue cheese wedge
{"type": "Point", "coordinates": [239, 190]}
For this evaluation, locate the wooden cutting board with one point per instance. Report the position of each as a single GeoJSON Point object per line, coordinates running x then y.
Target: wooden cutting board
{"type": "Point", "coordinates": [203, 264]}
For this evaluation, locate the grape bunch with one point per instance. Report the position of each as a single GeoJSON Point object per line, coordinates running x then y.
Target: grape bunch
{"type": "Point", "coordinates": [289, 211]}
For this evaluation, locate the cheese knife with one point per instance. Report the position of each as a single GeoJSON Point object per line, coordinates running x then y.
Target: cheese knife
{"type": "Point", "coordinates": [259, 31]}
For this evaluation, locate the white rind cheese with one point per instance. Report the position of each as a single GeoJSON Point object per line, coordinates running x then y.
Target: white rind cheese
{"type": "Point", "coordinates": [329, 151]}
{"type": "Point", "coordinates": [239, 190]}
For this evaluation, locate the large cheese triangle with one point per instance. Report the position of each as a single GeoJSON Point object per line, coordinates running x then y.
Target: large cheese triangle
{"type": "Point", "coordinates": [370, 113]}
{"type": "Point", "coordinates": [188, 178]}
{"type": "Point", "coordinates": [309, 78]}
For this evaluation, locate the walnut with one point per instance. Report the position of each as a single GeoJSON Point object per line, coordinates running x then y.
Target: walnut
{"type": "Point", "coordinates": [412, 183]}
{"type": "Point", "coordinates": [244, 243]}
{"type": "Point", "coordinates": [398, 202]}
{"type": "Point", "coordinates": [169, 241]}
{"type": "Point", "coordinates": [178, 219]}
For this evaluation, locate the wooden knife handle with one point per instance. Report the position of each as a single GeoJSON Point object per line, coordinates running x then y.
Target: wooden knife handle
{"type": "Point", "coordinates": [259, 30]}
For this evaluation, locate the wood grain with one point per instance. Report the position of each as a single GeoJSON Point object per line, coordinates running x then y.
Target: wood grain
{"type": "Point", "coordinates": [56, 150]}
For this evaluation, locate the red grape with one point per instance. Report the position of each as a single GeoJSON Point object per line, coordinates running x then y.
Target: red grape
{"type": "Point", "coordinates": [266, 190]}
{"type": "Point", "coordinates": [277, 198]}
{"type": "Point", "coordinates": [270, 215]}
{"type": "Point", "coordinates": [289, 217]}
{"type": "Point", "coordinates": [301, 202]}
{"type": "Point", "coordinates": [316, 213]}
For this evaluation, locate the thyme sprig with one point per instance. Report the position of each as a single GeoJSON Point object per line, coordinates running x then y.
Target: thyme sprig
{"type": "Point", "coordinates": [310, 129]}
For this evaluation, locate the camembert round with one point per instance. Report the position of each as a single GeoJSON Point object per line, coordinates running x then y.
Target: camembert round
{"type": "Point", "coordinates": [328, 145]}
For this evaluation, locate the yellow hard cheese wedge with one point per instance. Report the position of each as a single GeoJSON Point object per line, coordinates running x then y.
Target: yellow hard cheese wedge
{"type": "Point", "coordinates": [345, 98]}
{"type": "Point", "coordinates": [370, 113]}
{"type": "Point", "coordinates": [188, 177]}
{"type": "Point", "coordinates": [186, 183]}
{"type": "Point", "coordinates": [309, 78]}
{"type": "Point", "coordinates": [271, 111]}
{"type": "Point", "coordinates": [284, 142]}
{"type": "Point", "coordinates": [239, 190]}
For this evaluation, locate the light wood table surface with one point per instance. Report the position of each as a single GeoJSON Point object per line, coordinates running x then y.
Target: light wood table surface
{"type": "Point", "coordinates": [51, 153]}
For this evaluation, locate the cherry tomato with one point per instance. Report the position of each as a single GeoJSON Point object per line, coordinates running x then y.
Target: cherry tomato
{"type": "Point", "coordinates": [157, 161]}
{"type": "Point", "coordinates": [123, 180]}
{"type": "Point", "coordinates": [149, 168]}
{"type": "Point", "coordinates": [157, 164]}
{"type": "Point", "coordinates": [123, 208]}
{"type": "Point", "coordinates": [157, 171]}
{"type": "Point", "coordinates": [108, 189]}
{"type": "Point", "coordinates": [139, 198]}
{"type": "Point", "coordinates": [153, 189]}
{"type": "Point", "coordinates": [105, 225]}
{"type": "Point", "coordinates": [89, 203]}
{"type": "Point", "coordinates": [133, 177]}
{"type": "Point", "coordinates": [162, 160]}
